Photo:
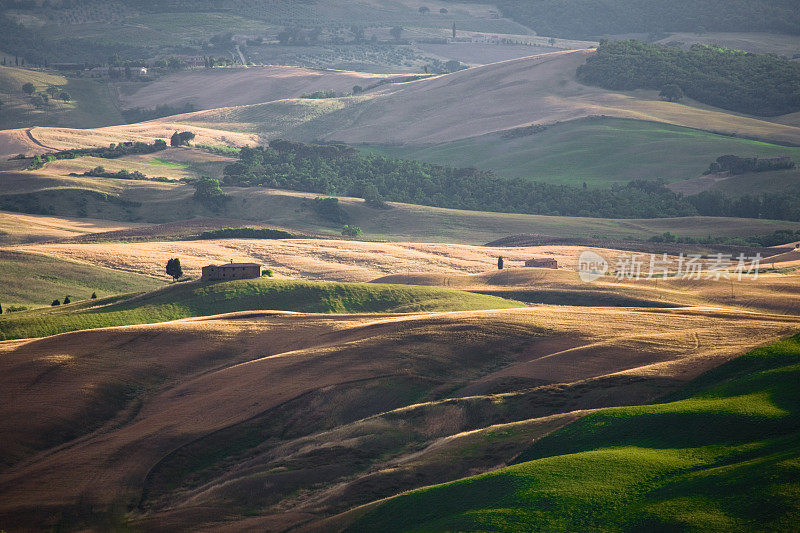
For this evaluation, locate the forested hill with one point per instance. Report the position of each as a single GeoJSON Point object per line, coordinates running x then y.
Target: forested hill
{"type": "Point", "coordinates": [759, 84]}
{"type": "Point", "coordinates": [580, 19]}
{"type": "Point", "coordinates": [342, 171]}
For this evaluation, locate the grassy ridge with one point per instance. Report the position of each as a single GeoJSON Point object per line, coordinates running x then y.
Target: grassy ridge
{"type": "Point", "coordinates": [34, 279]}
{"type": "Point", "coordinates": [203, 299]}
{"type": "Point", "coordinates": [723, 456]}
{"type": "Point", "coordinates": [600, 152]}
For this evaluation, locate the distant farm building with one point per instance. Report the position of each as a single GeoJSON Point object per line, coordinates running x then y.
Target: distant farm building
{"type": "Point", "coordinates": [231, 271]}
{"type": "Point", "coordinates": [547, 262]}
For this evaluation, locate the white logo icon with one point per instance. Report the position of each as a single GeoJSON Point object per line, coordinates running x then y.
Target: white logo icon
{"type": "Point", "coordinates": [591, 266]}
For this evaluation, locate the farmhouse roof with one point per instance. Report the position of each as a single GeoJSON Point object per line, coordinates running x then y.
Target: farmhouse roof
{"type": "Point", "coordinates": [236, 265]}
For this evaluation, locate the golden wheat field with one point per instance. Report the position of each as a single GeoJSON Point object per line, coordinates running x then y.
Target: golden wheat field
{"type": "Point", "coordinates": [320, 259]}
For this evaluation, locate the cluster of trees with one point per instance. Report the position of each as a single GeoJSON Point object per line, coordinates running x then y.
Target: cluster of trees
{"type": "Point", "coordinates": [207, 192]}
{"type": "Point", "coordinates": [581, 19]}
{"type": "Point", "coordinates": [742, 165]}
{"type": "Point", "coordinates": [760, 84]}
{"type": "Point", "coordinates": [101, 172]}
{"type": "Point", "coordinates": [778, 238]}
{"type": "Point", "coordinates": [321, 94]}
{"type": "Point", "coordinates": [776, 206]}
{"type": "Point", "coordinates": [246, 233]}
{"type": "Point", "coordinates": [341, 170]}
{"type": "Point", "coordinates": [112, 152]}
{"type": "Point", "coordinates": [66, 301]}
{"type": "Point", "coordinates": [181, 139]}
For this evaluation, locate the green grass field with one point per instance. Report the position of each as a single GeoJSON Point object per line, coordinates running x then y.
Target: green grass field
{"type": "Point", "coordinates": [31, 280]}
{"type": "Point", "coordinates": [600, 152]}
{"type": "Point", "coordinates": [202, 299]}
{"type": "Point", "coordinates": [722, 456]}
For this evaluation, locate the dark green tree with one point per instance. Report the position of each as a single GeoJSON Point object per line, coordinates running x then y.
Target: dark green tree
{"type": "Point", "coordinates": [174, 269]}
{"type": "Point", "coordinates": [396, 32]}
{"type": "Point", "coordinates": [671, 92]}
{"type": "Point", "coordinates": [29, 88]}
{"type": "Point", "coordinates": [94, 296]}
{"type": "Point", "coordinates": [181, 139]}
{"type": "Point", "coordinates": [424, 10]}
{"type": "Point", "coordinates": [500, 263]}
{"type": "Point", "coordinates": [67, 300]}
{"type": "Point", "coordinates": [55, 303]}
{"type": "Point", "coordinates": [351, 231]}
{"type": "Point", "coordinates": [208, 192]}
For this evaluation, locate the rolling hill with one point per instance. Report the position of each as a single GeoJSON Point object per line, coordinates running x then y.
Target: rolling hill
{"type": "Point", "coordinates": [723, 455]}
{"type": "Point", "coordinates": [203, 299]}
{"type": "Point", "coordinates": [473, 102]}
{"type": "Point", "coordinates": [598, 151]}
{"type": "Point", "coordinates": [34, 280]}
{"type": "Point", "coordinates": [342, 408]}
{"type": "Point", "coordinates": [90, 104]}
{"type": "Point", "coordinates": [214, 88]}
{"type": "Point", "coordinates": [539, 89]}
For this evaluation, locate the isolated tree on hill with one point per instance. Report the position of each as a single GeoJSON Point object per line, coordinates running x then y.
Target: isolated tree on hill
{"type": "Point", "coordinates": [181, 139]}
{"type": "Point", "coordinates": [424, 10]}
{"type": "Point", "coordinates": [1, 309]}
{"type": "Point", "coordinates": [29, 88]}
{"type": "Point", "coordinates": [94, 296]}
{"type": "Point", "coordinates": [500, 263]}
{"type": "Point", "coordinates": [65, 96]}
{"type": "Point", "coordinates": [358, 89]}
{"type": "Point", "coordinates": [174, 269]}
{"type": "Point", "coordinates": [671, 93]}
{"type": "Point", "coordinates": [443, 11]}
{"type": "Point", "coordinates": [67, 300]}
{"type": "Point", "coordinates": [396, 32]}
{"type": "Point", "coordinates": [453, 65]}
{"type": "Point", "coordinates": [55, 303]}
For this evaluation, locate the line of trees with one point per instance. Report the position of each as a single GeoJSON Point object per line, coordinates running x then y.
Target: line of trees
{"type": "Point", "coordinates": [759, 84]}
{"type": "Point", "coordinates": [342, 171]}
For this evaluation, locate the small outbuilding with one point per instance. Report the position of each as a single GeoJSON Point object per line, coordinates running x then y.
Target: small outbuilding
{"type": "Point", "coordinates": [231, 271]}
{"type": "Point", "coordinates": [546, 262]}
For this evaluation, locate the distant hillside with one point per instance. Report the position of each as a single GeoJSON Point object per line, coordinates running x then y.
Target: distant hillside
{"type": "Point", "coordinates": [540, 89]}
{"type": "Point", "coordinates": [597, 151]}
{"type": "Point", "coordinates": [88, 104]}
{"type": "Point", "coordinates": [213, 88]}
{"type": "Point", "coordinates": [758, 84]}
{"type": "Point", "coordinates": [588, 18]}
